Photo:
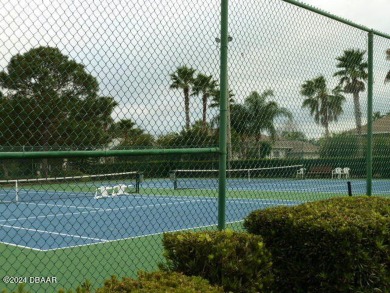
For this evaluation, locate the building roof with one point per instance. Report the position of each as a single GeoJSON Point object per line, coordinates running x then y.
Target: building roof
{"type": "Point", "coordinates": [379, 126]}
{"type": "Point", "coordinates": [295, 146]}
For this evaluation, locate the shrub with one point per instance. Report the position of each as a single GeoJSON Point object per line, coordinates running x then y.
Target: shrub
{"type": "Point", "coordinates": [20, 289]}
{"type": "Point", "coordinates": [236, 261]}
{"type": "Point", "coordinates": [330, 147]}
{"type": "Point", "coordinates": [158, 282]}
{"type": "Point", "coordinates": [336, 245]}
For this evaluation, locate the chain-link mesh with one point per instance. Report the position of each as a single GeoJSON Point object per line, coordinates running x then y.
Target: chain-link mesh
{"type": "Point", "coordinates": [111, 76]}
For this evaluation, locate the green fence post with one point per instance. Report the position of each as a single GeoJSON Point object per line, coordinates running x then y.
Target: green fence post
{"type": "Point", "coordinates": [223, 113]}
{"type": "Point", "coordinates": [369, 112]}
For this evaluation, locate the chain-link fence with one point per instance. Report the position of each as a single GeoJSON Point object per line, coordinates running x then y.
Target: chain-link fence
{"type": "Point", "coordinates": [111, 128]}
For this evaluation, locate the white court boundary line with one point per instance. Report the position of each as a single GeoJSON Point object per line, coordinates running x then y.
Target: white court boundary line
{"type": "Point", "coordinates": [141, 236]}
{"type": "Point", "coordinates": [100, 241]}
{"type": "Point", "coordinates": [52, 232]}
{"type": "Point", "coordinates": [156, 205]}
{"type": "Point", "coordinates": [21, 246]}
{"type": "Point", "coordinates": [59, 205]}
{"type": "Point", "coordinates": [101, 211]}
{"type": "Point", "coordinates": [115, 240]}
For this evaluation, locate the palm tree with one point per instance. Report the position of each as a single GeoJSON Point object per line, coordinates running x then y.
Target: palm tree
{"type": "Point", "coordinates": [206, 86]}
{"type": "Point", "coordinates": [216, 95]}
{"type": "Point", "coordinates": [255, 116]}
{"type": "Point", "coordinates": [377, 115]}
{"type": "Point", "coordinates": [352, 75]}
{"type": "Point", "coordinates": [125, 129]}
{"type": "Point", "coordinates": [388, 58]}
{"type": "Point", "coordinates": [323, 105]}
{"type": "Point", "coordinates": [261, 114]}
{"type": "Point", "coordinates": [183, 78]}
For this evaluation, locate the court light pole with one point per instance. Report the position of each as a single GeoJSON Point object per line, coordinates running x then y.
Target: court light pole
{"type": "Point", "coordinates": [228, 126]}
{"type": "Point", "coordinates": [223, 115]}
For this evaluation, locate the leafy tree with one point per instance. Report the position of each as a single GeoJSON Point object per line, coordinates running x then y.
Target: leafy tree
{"type": "Point", "coordinates": [197, 136]}
{"type": "Point", "coordinates": [323, 105]}
{"type": "Point", "coordinates": [289, 130]}
{"type": "Point", "coordinates": [50, 102]}
{"type": "Point", "coordinates": [377, 115]}
{"type": "Point", "coordinates": [124, 129]}
{"type": "Point", "coordinates": [168, 140]}
{"type": "Point", "coordinates": [130, 135]}
{"type": "Point", "coordinates": [183, 78]}
{"type": "Point", "coordinates": [206, 86]}
{"type": "Point", "coordinates": [293, 135]}
{"type": "Point", "coordinates": [264, 150]}
{"type": "Point", "coordinates": [353, 74]}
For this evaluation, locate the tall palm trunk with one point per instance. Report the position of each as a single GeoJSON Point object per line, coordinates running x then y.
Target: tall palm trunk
{"type": "Point", "coordinates": [357, 112]}
{"type": "Point", "coordinates": [358, 119]}
{"type": "Point", "coordinates": [204, 114]}
{"type": "Point", "coordinates": [187, 106]}
{"type": "Point", "coordinates": [326, 123]}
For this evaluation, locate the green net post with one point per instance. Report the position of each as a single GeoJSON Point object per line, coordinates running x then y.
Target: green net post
{"type": "Point", "coordinates": [139, 179]}
{"type": "Point", "coordinates": [173, 178]}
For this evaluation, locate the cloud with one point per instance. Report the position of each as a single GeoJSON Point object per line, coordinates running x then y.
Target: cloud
{"type": "Point", "coordinates": [372, 14]}
{"type": "Point", "coordinates": [133, 46]}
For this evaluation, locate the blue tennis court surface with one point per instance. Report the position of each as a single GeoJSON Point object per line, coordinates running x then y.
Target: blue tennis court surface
{"type": "Point", "coordinates": [57, 224]}
{"type": "Point", "coordinates": [335, 186]}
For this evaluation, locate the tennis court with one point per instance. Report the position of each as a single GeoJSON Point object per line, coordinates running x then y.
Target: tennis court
{"type": "Point", "coordinates": [68, 223]}
{"type": "Point", "coordinates": [51, 217]}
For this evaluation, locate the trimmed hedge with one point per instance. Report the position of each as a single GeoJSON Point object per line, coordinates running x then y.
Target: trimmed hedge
{"type": "Point", "coordinates": [158, 282]}
{"type": "Point", "coordinates": [236, 261]}
{"type": "Point", "coordinates": [335, 245]}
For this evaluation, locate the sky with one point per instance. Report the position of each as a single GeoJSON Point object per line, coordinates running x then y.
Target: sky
{"type": "Point", "coordinates": [371, 13]}
{"type": "Point", "coordinates": [133, 46]}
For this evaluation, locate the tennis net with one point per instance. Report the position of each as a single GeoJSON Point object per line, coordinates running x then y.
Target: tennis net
{"type": "Point", "coordinates": [197, 178]}
{"type": "Point", "coordinates": [58, 188]}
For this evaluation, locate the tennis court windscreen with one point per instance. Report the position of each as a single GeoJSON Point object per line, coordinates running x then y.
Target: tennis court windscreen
{"type": "Point", "coordinates": [208, 178]}
{"type": "Point", "coordinates": [57, 188]}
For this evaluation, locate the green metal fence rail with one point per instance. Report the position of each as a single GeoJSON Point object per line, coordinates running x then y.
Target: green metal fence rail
{"type": "Point", "coordinates": [123, 120]}
{"type": "Point", "coordinates": [108, 153]}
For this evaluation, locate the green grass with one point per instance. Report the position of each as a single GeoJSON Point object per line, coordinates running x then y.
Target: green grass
{"type": "Point", "coordinates": [242, 194]}
{"type": "Point", "coordinates": [72, 266]}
